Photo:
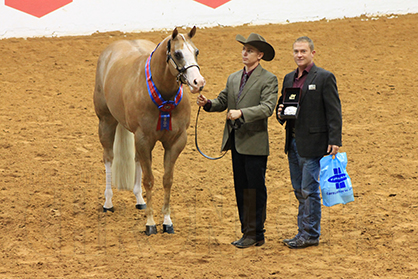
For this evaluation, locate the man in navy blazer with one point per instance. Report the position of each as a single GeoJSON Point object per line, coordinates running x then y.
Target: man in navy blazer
{"type": "Point", "coordinates": [314, 133]}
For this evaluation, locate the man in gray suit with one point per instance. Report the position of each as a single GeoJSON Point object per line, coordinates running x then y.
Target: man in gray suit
{"type": "Point", "coordinates": [249, 97]}
{"type": "Point", "coordinates": [314, 133]}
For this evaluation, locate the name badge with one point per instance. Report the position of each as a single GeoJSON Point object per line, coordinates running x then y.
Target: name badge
{"type": "Point", "coordinates": [312, 87]}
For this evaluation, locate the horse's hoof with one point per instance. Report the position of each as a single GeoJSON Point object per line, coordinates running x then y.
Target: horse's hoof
{"type": "Point", "coordinates": [151, 230]}
{"type": "Point", "coordinates": [108, 209]}
{"type": "Point", "coordinates": [141, 206]}
{"type": "Point", "coordinates": [168, 229]}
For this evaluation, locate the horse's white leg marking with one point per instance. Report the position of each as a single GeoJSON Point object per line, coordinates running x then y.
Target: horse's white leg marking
{"type": "Point", "coordinates": [167, 220]}
{"type": "Point", "coordinates": [138, 188]}
{"type": "Point", "coordinates": [168, 182]}
{"type": "Point", "coordinates": [149, 211]}
{"type": "Point", "coordinates": [108, 192]}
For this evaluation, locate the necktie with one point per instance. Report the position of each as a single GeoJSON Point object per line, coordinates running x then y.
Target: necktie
{"type": "Point", "coordinates": [243, 81]}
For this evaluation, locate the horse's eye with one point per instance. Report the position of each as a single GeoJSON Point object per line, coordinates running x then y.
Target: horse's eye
{"type": "Point", "coordinates": [197, 52]}
{"type": "Point", "coordinates": [178, 55]}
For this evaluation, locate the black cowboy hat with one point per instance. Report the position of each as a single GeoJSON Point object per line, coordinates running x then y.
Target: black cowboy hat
{"type": "Point", "coordinates": [260, 43]}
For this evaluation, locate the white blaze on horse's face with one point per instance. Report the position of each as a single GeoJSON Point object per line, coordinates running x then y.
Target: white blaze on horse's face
{"type": "Point", "coordinates": [185, 54]}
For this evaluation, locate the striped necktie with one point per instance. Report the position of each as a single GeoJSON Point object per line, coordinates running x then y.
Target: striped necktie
{"type": "Point", "coordinates": [243, 81]}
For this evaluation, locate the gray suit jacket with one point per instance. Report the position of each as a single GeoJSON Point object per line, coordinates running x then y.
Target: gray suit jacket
{"type": "Point", "coordinates": [319, 122]}
{"type": "Point", "coordinates": [257, 103]}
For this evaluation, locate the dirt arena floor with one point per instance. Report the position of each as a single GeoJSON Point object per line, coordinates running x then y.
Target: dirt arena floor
{"type": "Point", "coordinates": [52, 178]}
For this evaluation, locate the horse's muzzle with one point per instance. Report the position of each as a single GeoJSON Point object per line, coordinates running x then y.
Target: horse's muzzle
{"type": "Point", "coordinates": [197, 85]}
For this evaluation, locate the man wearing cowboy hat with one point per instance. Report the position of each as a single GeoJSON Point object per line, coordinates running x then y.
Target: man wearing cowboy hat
{"type": "Point", "coordinates": [249, 97]}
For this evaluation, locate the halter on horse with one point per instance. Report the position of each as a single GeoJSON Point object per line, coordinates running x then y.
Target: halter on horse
{"type": "Point", "coordinates": [139, 100]}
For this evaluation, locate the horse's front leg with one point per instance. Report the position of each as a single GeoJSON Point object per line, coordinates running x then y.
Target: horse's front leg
{"type": "Point", "coordinates": [140, 203]}
{"type": "Point", "coordinates": [171, 153]}
{"type": "Point", "coordinates": [144, 147]}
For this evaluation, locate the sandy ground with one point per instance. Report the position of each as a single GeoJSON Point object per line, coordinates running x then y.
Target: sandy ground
{"type": "Point", "coordinates": [52, 177]}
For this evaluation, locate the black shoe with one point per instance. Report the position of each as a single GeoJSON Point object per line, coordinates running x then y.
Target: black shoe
{"type": "Point", "coordinates": [286, 241]}
{"type": "Point", "coordinates": [299, 243]}
{"type": "Point", "coordinates": [248, 242]}
{"type": "Point", "coordinates": [236, 241]}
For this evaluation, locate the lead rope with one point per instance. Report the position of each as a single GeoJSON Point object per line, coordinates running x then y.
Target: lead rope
{"type": "Point", "coordinates": [197, 146]}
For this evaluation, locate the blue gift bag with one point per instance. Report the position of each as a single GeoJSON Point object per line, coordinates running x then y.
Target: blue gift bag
{"type": "Point", "coordinates": [335, 183]}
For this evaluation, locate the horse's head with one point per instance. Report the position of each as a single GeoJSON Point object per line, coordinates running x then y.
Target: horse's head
{"type": "Point", "coordinates": [182, 60]}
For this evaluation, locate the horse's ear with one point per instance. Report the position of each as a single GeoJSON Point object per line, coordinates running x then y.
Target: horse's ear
{"type": "Point", "coordinates": [192, 32]}
{"type": "Point", "coordinates": [175, 33]}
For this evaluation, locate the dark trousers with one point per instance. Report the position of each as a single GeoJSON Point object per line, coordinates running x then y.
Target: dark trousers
{"type": "Point", "coordinates": [250, 192]}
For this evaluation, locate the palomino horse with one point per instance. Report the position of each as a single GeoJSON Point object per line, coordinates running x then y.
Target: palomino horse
{"type": "Point", "coordinates": [139, 100]}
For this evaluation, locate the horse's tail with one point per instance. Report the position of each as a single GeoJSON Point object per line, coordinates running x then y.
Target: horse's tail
{"type": "Point", "coordinates": [123, 166]}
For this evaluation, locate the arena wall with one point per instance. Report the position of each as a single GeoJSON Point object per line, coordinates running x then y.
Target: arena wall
{"type": "Point", "coordinates": [33, 18]}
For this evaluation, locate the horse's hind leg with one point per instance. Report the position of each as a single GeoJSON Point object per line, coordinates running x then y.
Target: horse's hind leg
{"type": "Point", "coordinates": [107, 129]}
